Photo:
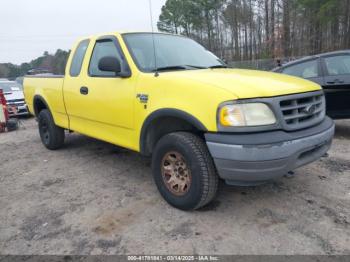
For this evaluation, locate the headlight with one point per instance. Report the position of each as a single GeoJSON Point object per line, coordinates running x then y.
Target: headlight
{"type": "Point", "coordinates": [249, 114]}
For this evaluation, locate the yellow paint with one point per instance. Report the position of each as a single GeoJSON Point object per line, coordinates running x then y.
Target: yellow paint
{"type": "Point", "coordinates": [113, 113]}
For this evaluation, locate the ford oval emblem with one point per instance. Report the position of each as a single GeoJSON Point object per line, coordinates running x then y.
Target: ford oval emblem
{"type": "Point", "coordinates": [310, 110]}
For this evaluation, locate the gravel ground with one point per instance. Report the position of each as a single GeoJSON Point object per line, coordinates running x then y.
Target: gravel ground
{"type": "Point", "coordinates": [95, 198]}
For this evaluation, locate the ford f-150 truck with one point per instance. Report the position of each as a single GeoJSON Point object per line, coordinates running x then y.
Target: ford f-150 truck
{"type": "Point", "coordinates": [168, 97]}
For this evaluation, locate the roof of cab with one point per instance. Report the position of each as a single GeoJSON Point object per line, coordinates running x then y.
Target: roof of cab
{"type": "Point", "coordinates": [123, 33]}
{"type": "Point", "coordinates": [120, 33]}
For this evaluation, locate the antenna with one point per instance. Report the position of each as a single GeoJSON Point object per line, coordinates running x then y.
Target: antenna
{"type": "Point", "coordinates": [153, 39]}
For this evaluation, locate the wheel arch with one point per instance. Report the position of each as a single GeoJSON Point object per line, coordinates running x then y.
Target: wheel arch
{"type": "Point", "coordinates": [166, 120]}
{"type": "Point", "coordinates": [39, 104]}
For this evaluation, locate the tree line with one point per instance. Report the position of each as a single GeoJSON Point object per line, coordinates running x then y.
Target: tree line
{"type": "Point", "coordinates": [53, 63]}
{"type": "Point", "coordinates": [258, 29]}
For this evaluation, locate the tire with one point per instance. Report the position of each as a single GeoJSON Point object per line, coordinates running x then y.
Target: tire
{"type": "Point", "coordinates": [12, 125]}
{"type": "Point", "coordinates": [51, 135]}
{"type": "Point", "coordinates": [188, 155]}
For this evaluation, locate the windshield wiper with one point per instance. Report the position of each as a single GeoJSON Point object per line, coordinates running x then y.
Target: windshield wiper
{"type": "Point", "coordinates": [179, 67]}
{"type": "Point", "coordinates": [185, 67]}
{"type": "Point", "coordinates": [170, 68]}
{"type": "Point", "coordinates": [218, 66]}
{"type": "Point", "coordinates": [197, 67]}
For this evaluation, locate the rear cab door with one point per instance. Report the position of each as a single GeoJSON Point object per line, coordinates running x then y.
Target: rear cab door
{"type": "Point", "coordinates": [337, 84]}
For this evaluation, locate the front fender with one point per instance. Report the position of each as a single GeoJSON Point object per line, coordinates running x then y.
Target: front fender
{"type": "Point", "coordinates": [164, 113]}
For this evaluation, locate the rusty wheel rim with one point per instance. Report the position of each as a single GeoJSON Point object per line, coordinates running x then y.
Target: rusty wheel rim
{"type": "Point", "coordinates": [176, 174]}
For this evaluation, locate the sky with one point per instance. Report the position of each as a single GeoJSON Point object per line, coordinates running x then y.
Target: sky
{"type": "Point", "coordinates": [30, 27]}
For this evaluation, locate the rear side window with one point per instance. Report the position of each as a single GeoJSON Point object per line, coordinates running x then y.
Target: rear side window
{"type": "Point", "coordinates": [78, 58]}
{"type": "Point", "coordinates": [305, 70]}
{"type": "Point", "coordinates": [338, 65]}
{"type": "Point", "coordinates": [103, 48]}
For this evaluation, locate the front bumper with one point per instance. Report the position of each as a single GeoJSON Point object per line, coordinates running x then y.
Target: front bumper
{"type": "Point", "coordinates": [17, 110]}
{"type": "Point", "coordinates": [250, 159]}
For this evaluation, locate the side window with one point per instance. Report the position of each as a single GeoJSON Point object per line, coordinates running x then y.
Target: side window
{"type": "Point", "coordinates": [103, 48]}
{"type": "Point", "coordinates": [78, 58]}
{"type": "Point", "coordinates": [305, 70]}
{"type": "Point", "coordinates": [338, 65]}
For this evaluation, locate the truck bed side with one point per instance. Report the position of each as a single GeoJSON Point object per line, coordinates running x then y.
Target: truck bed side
{"type": "Point", "coordinates": [49, 90]}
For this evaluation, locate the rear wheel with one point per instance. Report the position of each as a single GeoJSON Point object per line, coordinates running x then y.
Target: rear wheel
{"type": "Point", "coordinates": [51, 135]}
{"type": "Point", "coordinates": [184, 171]}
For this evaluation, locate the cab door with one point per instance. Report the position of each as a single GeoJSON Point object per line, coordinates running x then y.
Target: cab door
{"type": "Point", "coordinates": [337, 84]}
{"type": "Point", "coordinates": [101, 104]}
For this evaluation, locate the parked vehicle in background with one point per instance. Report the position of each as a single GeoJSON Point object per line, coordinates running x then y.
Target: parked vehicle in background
{"type": "Point", "coordinates": [38, 71]}
{"type": "Point", "coordinates": [198, 119]}
{"type": "Point", "coordinates": [332, 72]}
{"type": "Point", "coordinates": [13, 92]}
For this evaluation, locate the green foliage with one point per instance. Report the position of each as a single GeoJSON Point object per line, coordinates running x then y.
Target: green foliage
{"type": "Point", "coordinates": [320, 10]}
{"type": "Point", "coordinates": [171, 15]}
{"type": "Point", "coordinates": [181, 16]}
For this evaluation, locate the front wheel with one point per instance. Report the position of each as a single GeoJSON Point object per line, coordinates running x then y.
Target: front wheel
{"type": "Point", "coordinates": [184, 171]}
{"type": "Point", "coordinates": [51, 135]}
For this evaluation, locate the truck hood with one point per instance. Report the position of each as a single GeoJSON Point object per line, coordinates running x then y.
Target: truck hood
{"type": "Point", "coordinates": [249, 83]}
{"type": "Point", "coordinates": [14, 95]}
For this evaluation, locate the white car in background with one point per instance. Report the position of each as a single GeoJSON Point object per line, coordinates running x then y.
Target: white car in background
{"type": "Point", "coordinates": [14, 95]}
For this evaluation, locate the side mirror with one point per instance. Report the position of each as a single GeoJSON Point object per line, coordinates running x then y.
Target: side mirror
{"type": "Point", "coordinates": [110, 64]}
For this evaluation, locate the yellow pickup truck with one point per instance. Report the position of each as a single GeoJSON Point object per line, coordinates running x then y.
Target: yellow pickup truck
{"type": "Point", "coordinates": [168, 97]}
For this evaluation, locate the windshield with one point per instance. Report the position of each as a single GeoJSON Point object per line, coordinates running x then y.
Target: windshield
{"type": "Point", "coordinates": [10, 87]}
{"type": "Point", "coordinates": [173, 52]}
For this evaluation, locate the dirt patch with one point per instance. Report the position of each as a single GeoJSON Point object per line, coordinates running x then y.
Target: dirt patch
{"type": "Point", "coordinates": [336, 165]}
{"type": "Point", "coordinates": [47, 224]}
{"type": "Point", "coordinates": [110, 223]}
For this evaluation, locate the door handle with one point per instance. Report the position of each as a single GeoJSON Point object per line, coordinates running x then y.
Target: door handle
{"type": "Point", "coordinates": [84, 90]}
{"type": "Point", "coordinates": [335, 81]}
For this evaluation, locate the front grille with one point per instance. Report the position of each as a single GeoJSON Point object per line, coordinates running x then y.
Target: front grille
{"type": "Point", "coordinates": [302, 110]}
{"type": "Point", "coordinates": [16, 104]}
{"type": "Point", "coordinates": [16, 101]}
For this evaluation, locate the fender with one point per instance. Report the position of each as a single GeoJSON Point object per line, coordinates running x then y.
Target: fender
{"type": "Point", "coordinates": [167, 112]}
